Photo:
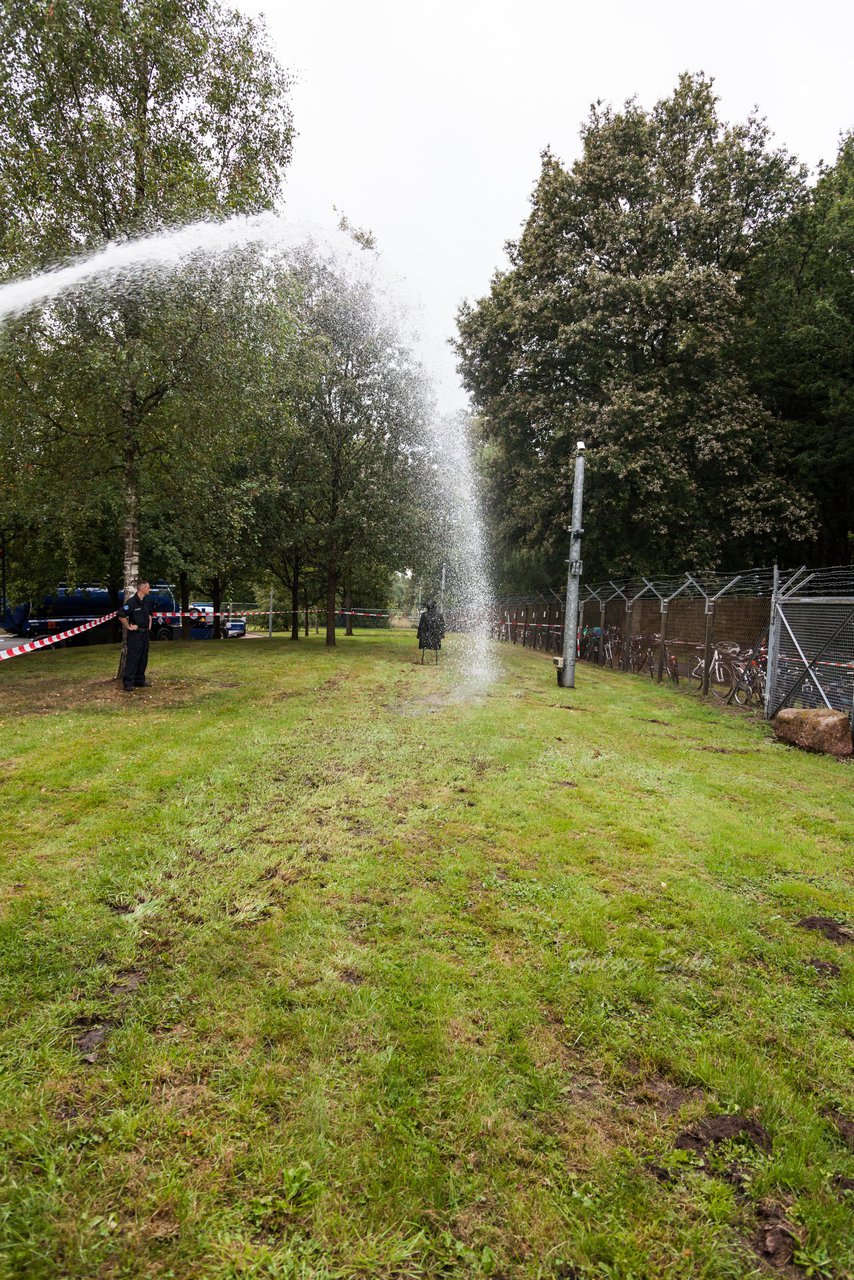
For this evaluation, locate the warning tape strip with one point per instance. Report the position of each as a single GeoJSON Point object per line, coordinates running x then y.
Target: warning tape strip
{"type": "Point", "coordinates": [235, 615]}
{"type": "Point", "coordinates": [29, 646]}
{"type": "Point", "coordinates": [43, 641]}
{"type": "Point", "coordinates": [263, 613]}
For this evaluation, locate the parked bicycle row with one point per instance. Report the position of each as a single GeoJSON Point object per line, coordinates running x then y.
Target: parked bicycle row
{"type": "Point", "coordinates": [735, 674]}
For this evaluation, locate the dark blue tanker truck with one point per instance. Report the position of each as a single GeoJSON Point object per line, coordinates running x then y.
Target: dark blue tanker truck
{"type": "Point", "coordinates": [69, 607]}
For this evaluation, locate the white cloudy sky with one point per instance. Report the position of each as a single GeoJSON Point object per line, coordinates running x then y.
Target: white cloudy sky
{"type": "Point", "coordinates": [425, 121]}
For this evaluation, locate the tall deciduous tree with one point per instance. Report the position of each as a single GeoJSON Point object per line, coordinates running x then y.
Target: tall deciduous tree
{"type": "Point", "coordinates": [362, 413]}
{"type": "Point", "coordinates": [118, 117]}
{"type": "Point", "coordinates": [619, 321]}
{"type": "Point", "coordinates": [800, 348]}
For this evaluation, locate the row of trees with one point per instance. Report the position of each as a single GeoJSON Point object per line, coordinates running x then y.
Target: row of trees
{"type": "Point", "coordinates": [244, 417]}
{"type": "Point", "coordinates": [682, 299]}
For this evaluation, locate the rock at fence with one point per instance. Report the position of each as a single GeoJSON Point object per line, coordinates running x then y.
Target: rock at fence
{"type": "Point", "coordinates": [814, 730]}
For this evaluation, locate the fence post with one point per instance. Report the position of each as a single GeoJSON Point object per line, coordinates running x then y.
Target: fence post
{"type": "Point", "coordinates": [627, 642]}
{"type": "Point", "coordinates": [707, 644]}
{"type": "Point", "coordinates": [600, 655]}
{"type": "Point", "coordinates": [773, 647]}
{"type": "Point", "coordinates": [663, 645]}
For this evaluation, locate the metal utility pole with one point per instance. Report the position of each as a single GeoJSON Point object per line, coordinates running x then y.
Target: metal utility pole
{"type": "Point", "coordinates": [573, 577]}
{"type": "Point", "coordinates": [442, 591]}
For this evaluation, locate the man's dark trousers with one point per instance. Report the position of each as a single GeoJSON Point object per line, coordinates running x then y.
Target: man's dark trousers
{"type": "Point", "coordinates": [136, 659]}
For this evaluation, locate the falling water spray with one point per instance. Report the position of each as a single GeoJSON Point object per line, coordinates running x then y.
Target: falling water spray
{"type": "Point", "coordinates": [125, 264]}
{"type": "Point", "coordinates": [465, 572]}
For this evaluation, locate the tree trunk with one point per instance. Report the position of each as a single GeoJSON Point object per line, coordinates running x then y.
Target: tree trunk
{"type": "Point", "coordinates": [216, 600]}
{"type": "Point", "coordinates": [331, 601]}
{"type": "Point", "coordinates": [348, 608]}
{"type": "Point", "coordinates": [184, 588]}
{"type": "Point", "coordinates": [130, 566]}
{"type": "Point", "coordinates": [295, 600]}
{"type": "Point", "coordinates": [131, 521]}
{"type": "Point", "coordinates": [305, 602]}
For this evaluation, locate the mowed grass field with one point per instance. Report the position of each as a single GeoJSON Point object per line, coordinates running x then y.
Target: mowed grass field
{"type": "Point", "coordinates": [312, 967]}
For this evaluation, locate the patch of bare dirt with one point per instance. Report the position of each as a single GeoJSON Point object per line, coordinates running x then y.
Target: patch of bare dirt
{"type": "Point", "coordinates": [775, 1238]}
{"type": "Point", "coordinates": [352, 976]}
{"type": "Point", "coordinates": [665, 1096]}
{"type": "Point", "coordinates": [90, 1041]}
{"type": "Point", "coordinates": [828, 928]}
{"type": "Point", "coordinates": [825, 967]}
{"type": "Point", "coordinates": [843, 1126]}
{"type": "Point", "coordinates": [715, 1129]}
{"type": "Point", "coordinates": [127, 982]}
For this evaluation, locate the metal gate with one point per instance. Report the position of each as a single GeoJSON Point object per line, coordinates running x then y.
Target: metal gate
{"type": "Point", "coordinates": [811, 641]}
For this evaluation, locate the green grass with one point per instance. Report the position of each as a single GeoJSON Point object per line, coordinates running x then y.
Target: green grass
{"type": "Point", "coordinates": [382, 982]}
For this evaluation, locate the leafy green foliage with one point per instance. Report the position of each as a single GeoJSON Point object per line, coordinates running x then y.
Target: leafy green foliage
{"type": "Point", "coordinates": [122, 116]}
{"type": "Point", "coordinates": [800, 342]}
{"type": "Point", "coordinates": [620, 322]}
{"type": "Point", "coordinates": [119, 117]}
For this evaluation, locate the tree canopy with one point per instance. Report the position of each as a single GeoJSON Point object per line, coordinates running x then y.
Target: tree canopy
{"type": "Point", "coordinates": [623, 320]}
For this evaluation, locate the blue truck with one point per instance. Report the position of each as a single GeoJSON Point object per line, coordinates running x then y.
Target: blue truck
{"type": "Point", "coordinates": [69, 607]}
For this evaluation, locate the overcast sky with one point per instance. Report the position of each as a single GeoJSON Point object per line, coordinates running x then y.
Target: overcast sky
{"type": "Point", "coordinates": [425, 121]}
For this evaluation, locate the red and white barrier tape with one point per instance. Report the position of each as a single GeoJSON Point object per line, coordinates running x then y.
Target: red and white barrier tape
{"type": "Point", "coordinates": [200, 614]}
{"type": "Point", "coordinates": [43, 641]}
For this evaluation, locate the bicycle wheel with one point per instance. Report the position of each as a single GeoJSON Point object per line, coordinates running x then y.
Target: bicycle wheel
{"type": "Point", "coordinates": [742, 688]}
{"type": "Point", "coordinates": [721, 679]}
{"type": "Point", "coordinates": [695, 675]}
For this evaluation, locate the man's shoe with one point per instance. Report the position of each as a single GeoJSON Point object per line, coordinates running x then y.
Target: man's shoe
{"type": "Point", "coordinates": [127, 688]}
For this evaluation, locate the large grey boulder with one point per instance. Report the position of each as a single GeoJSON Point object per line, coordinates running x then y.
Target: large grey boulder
{"type": "Point", "coordinates": [815, 729]}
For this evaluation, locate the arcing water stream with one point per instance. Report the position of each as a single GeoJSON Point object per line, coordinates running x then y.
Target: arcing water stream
{"type": "Point", "coordinates": [457, 503]}
{"type": "Point", "coordinates": [147, 255]}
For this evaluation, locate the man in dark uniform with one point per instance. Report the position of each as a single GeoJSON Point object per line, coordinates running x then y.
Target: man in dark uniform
{"type": "Point", "coordinates": [135, 617]}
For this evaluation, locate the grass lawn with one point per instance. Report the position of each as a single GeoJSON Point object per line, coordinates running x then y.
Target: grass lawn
{"type": "Point", "coordinates": [312, 968]}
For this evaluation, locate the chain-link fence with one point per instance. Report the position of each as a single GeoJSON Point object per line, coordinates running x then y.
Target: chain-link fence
{"type": "Point", "coordinates": [761, 637]}
{"type": "Point", "coordinates": [811, 644]}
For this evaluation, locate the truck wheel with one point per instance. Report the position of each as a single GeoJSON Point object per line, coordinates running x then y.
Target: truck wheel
{"type": "Point", "coordinates": [165, 633]}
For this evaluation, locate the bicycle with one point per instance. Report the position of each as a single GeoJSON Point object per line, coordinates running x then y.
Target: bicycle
{"type": "Point", "coordinates": [637, 654]}
{"type": "Point", "coordinates": [613, 650]}
{"type": "Point", "coordinates": [720, 672]}
{"type": "Point", "coordinates": [671, 662]}
{"type": "Point", "coordinates": [749, 677]}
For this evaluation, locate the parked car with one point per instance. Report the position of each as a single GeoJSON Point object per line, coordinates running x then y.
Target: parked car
{"type": "Point", "coordinates": [233, 628]}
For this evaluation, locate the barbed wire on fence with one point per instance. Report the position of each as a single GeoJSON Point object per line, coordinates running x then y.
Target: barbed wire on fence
{"type": "Point", "coordinates": [758, 637]}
